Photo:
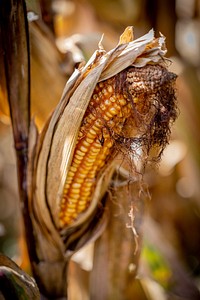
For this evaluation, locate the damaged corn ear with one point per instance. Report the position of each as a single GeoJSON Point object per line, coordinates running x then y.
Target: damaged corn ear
{"type": "Point", "coordinates": [134, 97]}
{"type": "Point", "coordinates": [119, 99]}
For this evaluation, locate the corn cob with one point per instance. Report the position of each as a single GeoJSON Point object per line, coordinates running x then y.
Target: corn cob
{"type": "Point", "coordinates": [107, 110]}
{"type": "Point", "coordinates": [111, 105]}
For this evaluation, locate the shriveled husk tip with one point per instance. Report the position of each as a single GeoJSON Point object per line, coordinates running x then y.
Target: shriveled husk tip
{"type": "Point", "coordinates": [55, 146]}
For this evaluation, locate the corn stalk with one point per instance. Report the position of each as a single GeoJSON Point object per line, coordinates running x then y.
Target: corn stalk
{"type": "Point", "coordinates": [15, 82]}
{"type": "Point", "coordinates": [15, 86]}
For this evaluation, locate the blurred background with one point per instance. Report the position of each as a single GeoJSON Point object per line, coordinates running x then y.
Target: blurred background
{"type": "Point", "coordinates": [62, 34]}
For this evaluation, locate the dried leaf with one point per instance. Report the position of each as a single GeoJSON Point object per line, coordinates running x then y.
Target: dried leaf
{"type": "Point", "coordinates": [127, 36]}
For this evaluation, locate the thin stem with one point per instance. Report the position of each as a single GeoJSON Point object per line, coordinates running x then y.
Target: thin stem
{"type": "Point", "coordinates": [14, 41]}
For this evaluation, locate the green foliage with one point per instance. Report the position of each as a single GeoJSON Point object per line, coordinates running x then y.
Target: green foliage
{"type": "Point", "coordinates": [158, 266]}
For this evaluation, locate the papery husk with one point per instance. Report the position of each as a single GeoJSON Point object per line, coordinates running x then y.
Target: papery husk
{"type": "Point", "coordinates": [55, 147]}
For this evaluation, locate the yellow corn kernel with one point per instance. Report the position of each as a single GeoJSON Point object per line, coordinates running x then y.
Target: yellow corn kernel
{"type": "Point", "coordinates": [94, 145]}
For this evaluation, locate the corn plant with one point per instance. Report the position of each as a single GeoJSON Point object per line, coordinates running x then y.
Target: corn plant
{"type": "Point", "coordinates": [117, 109]}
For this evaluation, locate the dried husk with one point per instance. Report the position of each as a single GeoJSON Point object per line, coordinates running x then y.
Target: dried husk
{"type": "Point", "coordinates": [51, 154]}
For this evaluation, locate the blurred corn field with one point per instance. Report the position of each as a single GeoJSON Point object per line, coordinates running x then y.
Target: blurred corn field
{"type": "Point", "coordinates": [63, 34]}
